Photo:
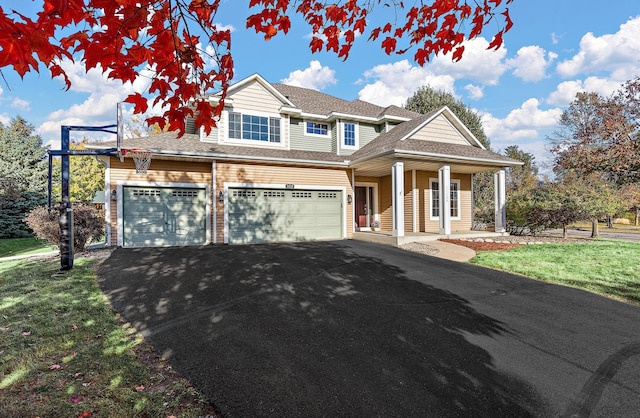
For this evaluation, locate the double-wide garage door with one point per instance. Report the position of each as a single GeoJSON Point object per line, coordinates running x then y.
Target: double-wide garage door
{"type": "Point", "coordinates": [158, 216]}
{"type": "Point", "coordinates": [272, 215]}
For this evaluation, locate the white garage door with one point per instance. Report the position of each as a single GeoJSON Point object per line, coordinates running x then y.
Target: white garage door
{"type": "Point", "coordinates": [266, 215]}
{"type": "Point", "coordinates": [157, 216]}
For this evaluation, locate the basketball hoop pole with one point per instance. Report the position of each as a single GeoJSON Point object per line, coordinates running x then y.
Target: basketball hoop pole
{"type": "Point", "coordinates": [66, 209]}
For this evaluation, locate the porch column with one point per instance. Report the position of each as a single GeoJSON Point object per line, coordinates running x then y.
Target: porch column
{"type": "Point", "coordinates": [397, 201]}
{"type": "Point", "coordinates": [444, 180]}
{"type": "Point", "coordinates": [499, 179]}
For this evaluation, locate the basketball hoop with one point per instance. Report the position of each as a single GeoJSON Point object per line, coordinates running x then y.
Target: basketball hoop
{"type": "Point", "coordinates": [141, 158]}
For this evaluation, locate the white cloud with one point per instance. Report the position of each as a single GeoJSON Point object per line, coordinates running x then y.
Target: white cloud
{"type": "Point", "coordinates": [314, 77]}
{"type": "Point", "coordinates": [474, 92]}
{"type": "Point", "coordinates": [21, 104]}
{"type": "Point", "coordinates": [531, 63]}
{"type": "Point", "coordinates": [478, 63]}
{"type": "Point", "coordinates": [616, 52]}
{"type": "Point", "coordinates": [98, 109]}
{"type": "Point", "coordinates": [395, 83]}
{"type": "Point", "coordinates": [5, 120]}
{"type": "Point", "coordinates": [520, 124]}
{"type": "Point", "coordinates": [566, 91]}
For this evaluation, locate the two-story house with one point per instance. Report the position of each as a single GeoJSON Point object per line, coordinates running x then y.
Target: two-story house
{"type": "Point", "coordinates": [287, 164]}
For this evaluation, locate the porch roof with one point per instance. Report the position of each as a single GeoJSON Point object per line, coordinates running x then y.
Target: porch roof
{"type": "Point", "coordinates": [374, 158]}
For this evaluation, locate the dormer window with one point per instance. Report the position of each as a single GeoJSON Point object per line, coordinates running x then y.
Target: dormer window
{"type": "Point", "coordinates": [243, 126]}
{"type": "Point", "coordinates": [316, 129]}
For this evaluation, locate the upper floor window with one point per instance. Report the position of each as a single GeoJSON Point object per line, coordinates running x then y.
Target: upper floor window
{"type": "Point", "coordinates": [254, 127]}
{"type": "Point", "coordinates": [315, 128]}
{"type": "Point", "coordinates": [349, 135]}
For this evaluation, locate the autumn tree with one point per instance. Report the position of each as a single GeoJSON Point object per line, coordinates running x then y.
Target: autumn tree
{"type": "Point", "coordinates": [23, 176]}
{"type": "Point", "coordinates": [596, 197]}
{"type": "Point", "coordinates": [598, 134]}
{"type": "Point", "coordinates": [524, 176]}
{"type": "Point", "coordinates": [186, 53]}
{"type": "Point", "coordinates": [427, 99]}
{"type": "Point", "coordinates": [630, 195]}
{"type": "Point", "coordinates": [86, 177]}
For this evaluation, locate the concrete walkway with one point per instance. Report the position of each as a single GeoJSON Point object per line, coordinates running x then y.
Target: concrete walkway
{"type": "Point", "coordinates": [452, 252]}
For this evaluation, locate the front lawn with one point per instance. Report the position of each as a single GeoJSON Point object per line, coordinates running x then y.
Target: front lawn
{"type": "Point", "coordinates": [64, 353]}
{"type": "Point", "coordinates": [23, 246]}
{"type": "Point", "coordinates": [610, 268]}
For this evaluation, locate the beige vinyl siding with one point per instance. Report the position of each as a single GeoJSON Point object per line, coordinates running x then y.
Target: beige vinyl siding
{"type": "Point", "coordinates": [386, 209]}
{"type": "Point", "coordinates": [408, 202]}
{"type": "Point", "coordinates": [160, 171]}
{"type": "Point", "coordinates": [466, 202]}
{"type": "Point", "coordinates": [258, 175]}
{"type": "Point", "coordinates": [300, 141]}
{"type": "Point", "coordinates": [254, 97]}
{"type": "Point", "coordinates": [440, 130]}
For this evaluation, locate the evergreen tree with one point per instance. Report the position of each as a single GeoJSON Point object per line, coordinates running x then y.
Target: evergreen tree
{"type": "Point", "coordinates": [23, 176]}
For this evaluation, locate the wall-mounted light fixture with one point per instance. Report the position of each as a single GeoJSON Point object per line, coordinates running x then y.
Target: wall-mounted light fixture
{"type": "Point", "coordinates": [114, 194]}
{"type": "Point", "coordinates": [349, 199]}
{"type": "Point", "coordinates": [221, 196]}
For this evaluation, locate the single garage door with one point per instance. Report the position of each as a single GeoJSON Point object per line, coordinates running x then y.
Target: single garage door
{"type": "Point", "coordinates": [265, 215]}
{"type": "Point", "coordinates": [157, 216]}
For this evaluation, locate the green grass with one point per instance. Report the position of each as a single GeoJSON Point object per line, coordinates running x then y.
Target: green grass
{"type": "Point", "coordinates": [23, 246]}
{"type": "Point", "coordinates": [606, 267]}
{"type": "Point", "coordinates": [63, 351]}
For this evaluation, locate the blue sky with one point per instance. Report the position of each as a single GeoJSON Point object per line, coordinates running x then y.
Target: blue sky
{"type": "Point", "coordinates": [555, 49]}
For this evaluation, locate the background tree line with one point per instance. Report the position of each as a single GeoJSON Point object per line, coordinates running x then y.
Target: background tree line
{"type": "Point", "coordinates": [596, 163]}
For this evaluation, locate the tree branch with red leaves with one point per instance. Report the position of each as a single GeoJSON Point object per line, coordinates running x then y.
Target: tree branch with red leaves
{"type": "Point", "coordinates": [170, 39]}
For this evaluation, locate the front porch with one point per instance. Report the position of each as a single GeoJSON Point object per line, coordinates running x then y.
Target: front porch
{"type": "Point", "coordinates": [387, 237]}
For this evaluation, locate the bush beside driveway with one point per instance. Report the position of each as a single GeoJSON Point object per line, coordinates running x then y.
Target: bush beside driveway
{"type": "Point", "coordinates": [357, 329]}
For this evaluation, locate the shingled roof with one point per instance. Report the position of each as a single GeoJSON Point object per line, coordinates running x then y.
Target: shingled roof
{"type": "Point", "coordinates": [189, 145]}
{"type": "Point", "coordinates": [314, 102]}
{"type": "Point", "coordinates": [398, 141]}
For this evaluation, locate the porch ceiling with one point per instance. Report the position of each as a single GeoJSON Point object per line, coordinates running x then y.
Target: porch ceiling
{"type": "Point", "coordinates": [382, 166]}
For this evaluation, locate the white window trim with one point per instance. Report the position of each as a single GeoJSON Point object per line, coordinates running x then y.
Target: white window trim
{"type": "Point", "coordinates": [437, 218]}
{"type": "Point", "coordinates": [237, 141]}
{"type": "Point", "coordinates": [357, 134]}
{"type": "Point", "coordinates": [328, 135]}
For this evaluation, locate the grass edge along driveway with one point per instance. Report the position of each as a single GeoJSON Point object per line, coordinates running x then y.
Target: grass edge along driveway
{"type": "Point", "coordinates": [63, 351]}
{"type": "Point", "coordinates": [607, 267]}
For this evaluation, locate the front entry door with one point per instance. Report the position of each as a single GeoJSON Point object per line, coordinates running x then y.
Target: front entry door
{"type": "Point", "coordinates": [363, 206]}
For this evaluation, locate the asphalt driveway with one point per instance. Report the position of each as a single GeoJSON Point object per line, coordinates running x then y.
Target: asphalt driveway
{"type": "Point", "coordinates": [357, 329]}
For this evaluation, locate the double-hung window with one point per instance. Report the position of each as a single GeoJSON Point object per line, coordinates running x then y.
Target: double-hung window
{"type": "Point", "coordinates": [254, 127]}
{"type": "Point", "coordinates": [349, 135]}
{"type": "Point", "coordinates": [454, 199]}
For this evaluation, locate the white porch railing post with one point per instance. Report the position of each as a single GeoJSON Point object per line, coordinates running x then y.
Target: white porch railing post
{"type": "Point", "coordinates": [397, 179]}
{"type": "Point", "coordinates": [500, 200]}
{"type": "Point", "coordinates": [444, 180]}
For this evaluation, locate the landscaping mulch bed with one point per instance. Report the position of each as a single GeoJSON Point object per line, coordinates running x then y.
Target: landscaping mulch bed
{"type": "Point", "coordinates": [483, 246]}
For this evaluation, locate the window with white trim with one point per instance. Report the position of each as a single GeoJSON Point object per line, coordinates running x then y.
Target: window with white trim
{"type": "Point", "coordinates": [434, 193]}
{"type": "Point", "coordinates": [349, 135]}
{"type": "Point", "coordinates": [317, 129]}
{"type": "Point", "coordinates": [243, 126]}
